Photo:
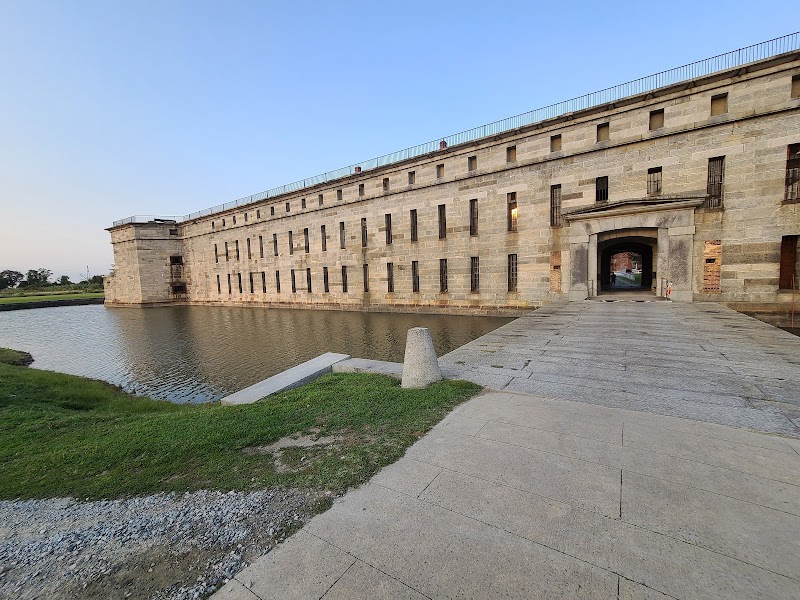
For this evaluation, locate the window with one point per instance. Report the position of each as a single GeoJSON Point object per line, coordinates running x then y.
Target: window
{"type": "Point", "coordinates": [230, 289]}
{"type": "Point", "coordinates": [601, 190]}
{"type": "Point", "coordinates": [291, 243]}
{"type": "Point", "coordinates": [716, 177]}
{"type": "Point", "coordinates": [226, 252]}
{"type": "Point", "coordinates": [603, 132]}
{"type": "Point", "coordinates": [306, 240]}
{"type": "Point", "coordinates": [390, 278]}
{"type": "Point", "coordinates": [237, 249]}
{"type": "Point", "coordinates": [796, 86]}
{"type": "Point", "coordinates": [512, 272]}
{"type": "Point", "coordinates": [412, 177]}
{"type": "Point", "coordinates": [216, 254]}
{"type": "Point", "coordinates": [555, 143]}
{"type": "Point", "coordinates": [443, 275]}
{"type": "Point", "coordinates": [555, 205]}
{"type": "Point", "coordinates": [263, 282]}
{"type": "Point", "coordinates": [511, 211]}
{"type": "Point", "coordinates": [219, 286]}
{"type": "Point", "coordinates": [388, 224]}
{"type": "Point", "coordinates": [656, 119]}
{"type": "Point", "coordinates": [511, 154]}
{"type": "Point", "coordinates": [442, 222]}
{"type": "Point", "coordinates": [472, 163]}
{"type": "Point", "coordinates": [261, 246]}
{"type": "Point", "coordinates": [415, 276]}
{"type": "Point", "coordinates": [239, 277]}
{"type": "Point", "coordinates": [473, 217]}
{"type": "Point", "coordinates": [287, 207]}
{"type": "Point", "coordinates": [364, 232]}
{"type": "Point", "coordinates": [342, 238]}
{"type": "Point", "coordinates": [654, 181]}
{"type": "Point", "coordinates": [344, 278]}
{"type": "Point", "coordinates": [245, 217]}
{"type": "Point", "coordinates": [176, 259]}
{"type": "Point", "coordinates": [213, 225]}
{"type": "Point", "coordinates": [258, 214]}
{"type": "Point", "coordinates": [278, 282]}
{"type": "Point", "coordinates": [385, 184]}
{"type": "Point", "coordinates": [271, 211]}
{"type": "Point", "coordinates": [173, 232]}
{"type": "Point", "coordinates": [303, 203]}
{"type": "Point", "coordinates": [366, 277]}
{"type": "Point", "coordinates": [249, 254]}
{"type": "Point", "coordinates": [294, 283]}
{"type": "Point", "coordinates": [474, 275]}
{"type": "Point", "coordinates": [325, 281]}
{"type": "Point", "coordinates": [793, 173]}
{"type": "Point", "coordinates": [324, 237]}
{"type": "Point", "coordinates": [787, 278]}
{"type": "Point", "coordinates": [413, 216]}
{"type": "Point", "coordinates": [719, 104]}
{"type": "Point", "coordinates": [251, 283]}
{"type": "Point", "coordinates": [308, 280]}
{"type": "Point", "coordinates": [319, 199]}
{"type": "Point", "coordinates": [360, 190]}
{"type": "Point", "coordinates": [223, 222]}
{"type": "Point", "coordinates": [339, 195]}
{"type": "Point", "coordinates": [275, 244]}
{"type": "Point", "coordinates": [234, 219]}
{"type": "Point", "coordinates": [439, 171]}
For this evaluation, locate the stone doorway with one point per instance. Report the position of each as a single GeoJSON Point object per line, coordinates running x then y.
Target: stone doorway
{"type": "Point", "coordinates": [626, 261]}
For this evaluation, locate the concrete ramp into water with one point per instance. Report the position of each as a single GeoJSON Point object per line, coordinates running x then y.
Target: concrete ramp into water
{"type": "Point", "coordinates": [700, 361]}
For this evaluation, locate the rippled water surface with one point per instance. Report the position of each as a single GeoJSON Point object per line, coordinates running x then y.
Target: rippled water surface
{"type": "Point", "coordinates": [201, 353]}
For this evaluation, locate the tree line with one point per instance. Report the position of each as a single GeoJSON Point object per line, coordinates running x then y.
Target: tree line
{"type": "Point", "coordinates": [39, 278]}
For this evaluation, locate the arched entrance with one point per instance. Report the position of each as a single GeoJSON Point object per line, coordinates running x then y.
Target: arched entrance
{"type": "Point", "coordinates": [627, 259]}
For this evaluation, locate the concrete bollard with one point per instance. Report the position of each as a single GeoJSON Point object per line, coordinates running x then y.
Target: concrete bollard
{"type": "Point", "coordinates": [420, 366]}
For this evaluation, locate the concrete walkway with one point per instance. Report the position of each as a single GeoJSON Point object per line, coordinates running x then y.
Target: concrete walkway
{"type": "Point", "coordinates": [523, 495]}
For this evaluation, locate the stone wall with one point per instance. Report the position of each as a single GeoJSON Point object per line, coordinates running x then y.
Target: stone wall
{"type": "Point", "coordinates": [761, 121]}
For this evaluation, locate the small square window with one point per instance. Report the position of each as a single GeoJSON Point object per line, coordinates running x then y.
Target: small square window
{"type": "Point", "coordinates": [555, 143]}
{"type": "Point", "coordinates": [719, 104]}
{"type": "Point", "coordinates": [603, 132]}
{"type": "Point", "coordinates": [173, 232]}
{"type": "Point", "coordinates": [439, 171]}
{"type": "Point", "coordinates": [472, 163]}
{"type": "Point", "coordinates": [412, 177]}
{"type": "Point", "coordinates": [511, 154]}
{"type": "Point", "coordinates": [656, 119]}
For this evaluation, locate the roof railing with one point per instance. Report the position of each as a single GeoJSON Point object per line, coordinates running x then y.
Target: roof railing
{"type": "Point", "coordinates": [701, 68]}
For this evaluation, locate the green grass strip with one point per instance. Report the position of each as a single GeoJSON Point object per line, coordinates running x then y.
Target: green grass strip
{"type": "Point", "coordinates": [68, 436]}
{"type": "Point", "coordinates": [50, 297]}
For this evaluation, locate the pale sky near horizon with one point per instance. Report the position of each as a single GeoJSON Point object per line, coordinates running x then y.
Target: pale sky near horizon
{"type": "Point", "coordinates": [110, 109]}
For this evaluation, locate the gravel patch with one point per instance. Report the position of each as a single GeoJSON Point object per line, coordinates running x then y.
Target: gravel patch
{"type": "Point", "coordinates": [164, 546]}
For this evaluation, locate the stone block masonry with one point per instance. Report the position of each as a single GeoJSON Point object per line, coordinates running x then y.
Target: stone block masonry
{"type": "Point", "coordinates": [513, 221]}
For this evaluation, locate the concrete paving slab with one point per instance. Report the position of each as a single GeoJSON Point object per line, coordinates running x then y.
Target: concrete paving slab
{"type": "Point", "coordinates": [446, 555]}
{"type": "Point", "coordinates": [592, 485]}
{"type": "Point", "coordinates": [459, 423]}
{"type": "Point", "coordinates": [233, 590]}
{"type": "Point", "coordinates": [727, 482]}
{"type": "Point", "coordinates": [407, 476]}
{"type": "Point", "coordinates": [629, 590]}
{"type": "Point", "coordinates": [363, 582]}
{"type": "Point", "coordinates": [302, 567]}
{"type": "Point", "coordinates": [763, 462]}
{"type": "Point", "coordinates": [287, 380]}
{"type": "Point", "coordinates": [668, 565]}
{"type": "Point", "coordinates": [751, 533]}
{"type": "Point", "coordinates": [365, 365]}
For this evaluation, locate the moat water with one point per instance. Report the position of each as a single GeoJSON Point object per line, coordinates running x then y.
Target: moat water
{"type": "Point", "coordinates": [200, 353]}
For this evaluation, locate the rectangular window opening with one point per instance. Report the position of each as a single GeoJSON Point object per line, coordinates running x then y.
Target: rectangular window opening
{"type": "Point", "coordinates": [275, 244]}
{"type": "Point", "coordinates": [656, 119]}
{"type": "Point", "coordinates": [413, 217]}
{"type": "Point", "coordinates": [388, 225]}
{"type": "Point", "coordinates": [230, 289]}
{"type": "Point", "coordinates": [303, 203]}
{"type": "Point", "coordinates": [325, 281]}
{"type": "Point", "coordinates": [365, 267]}
{"type": "Point", "coordinates": [512, 272]}
{"type": "Point", "coordinates": [412, 177]}
{"type": "Point", "coordinates": [364, 232]}
{"type": "Point", "coordinates": [320, 200]}
{"type": "Point", "coordinates": [344, 279]}
{"type": "Point", "coordinates": [442, 275]}
{"type": "Point", "coordinates": [288, 207]}
{"type": "Point", "coordinates": [263, 282]}
{"type": "Point", "coordinates": [716, 180]}
{"type": "Point", "coordinates": [306, 240]}
{"type": "Point", "coordinates": [294, 283]}
{"type": "Point", "coordinates": [271, 211]}
{"type": "Point", "coordinates": [324, 238]}
{"type": "Point", "coordinates": [252, 288]}
{"type": "Point", "coordinates": [439, 171]}
{"type": "Point", "coordinates": [261, 246]}
{"type": "Point", "coordinates": [474, 275]}
{"type": "Point", "coordinates": [555, 143]}
{"type": "Point", "coordinates": [601, 190]}
{"type": "Point", "coordinates": [796, 86]}
{"type": "Point", "coordinates": [227, 256]}
{"type": "Point", "coordinates": [308, 281]}
{"type": "Point", "coordinates": [219, 286]}
{"type": "Point", "coordinates": [239, 277]}
{"type": "Point", "coordinates": [342, 237]}
{"type": "Point", "coordinates": [792, 174]}
{"type": "Point", "coordinates": [360, 190]}
{"type": "Point", "coordinates": [787, 278]}
{"type": "Point", "coordinates": [472, 163]}
{"type": "Point", "coordinates": [277, 282]}
{"type": "Point", "coordinates": [237, 249]}
{"type": "Point", "coordinates": [216, 254]}
{"type": "Point", "coordinates": [390, 278]}
{"type": "Point", "coordinates": [339, 195]}
{"type": "Point", "coordinates": [385, 184]}
{"type": "Point", "coordinates": [719, 104]}
{"type": "Point", "coordinates": [511, 211]}
{"type": "Point", "coordinates": [603, 132]}
{"type": "Point", "coordinates": [249, 254]}
{"type": "Point", "coordinates": [654, 181]}
{"type": "Point", "coordinates": [291, 243]}
{"type": "Point", "coordinates": [511, 154]}
{"type": "Point", "coordinates": [473, 217]}
{"type": "Point", "coordinates": [415, 276]}
{"type": "Point", "coordinates": [555, 205]}
{"type": "Point", "coordinates": [442, 222]}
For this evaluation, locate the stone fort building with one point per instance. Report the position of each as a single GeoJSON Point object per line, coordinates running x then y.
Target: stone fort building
{"type": "Point", "coordinates": [695, 170]}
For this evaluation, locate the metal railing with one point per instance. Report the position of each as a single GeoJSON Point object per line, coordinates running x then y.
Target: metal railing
{"type": "Point", "coordinates": [701, 68]}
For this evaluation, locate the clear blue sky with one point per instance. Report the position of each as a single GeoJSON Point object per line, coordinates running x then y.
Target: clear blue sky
{"type": "Point", "coordinates": [109, 109]}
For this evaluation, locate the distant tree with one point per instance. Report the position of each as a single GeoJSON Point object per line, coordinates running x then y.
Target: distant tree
{"type": "Point", "coordinates": [96, 279]}
{"type": "Point", "coordinates": [38, 277]}
{"type": "Point", "coordinates": [10, 279]}
{"type": "Point", "coordinates": [63, 280]}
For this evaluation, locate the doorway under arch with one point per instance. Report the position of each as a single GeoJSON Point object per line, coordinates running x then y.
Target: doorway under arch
{"type": "Point", "coordinates": [634, 252]}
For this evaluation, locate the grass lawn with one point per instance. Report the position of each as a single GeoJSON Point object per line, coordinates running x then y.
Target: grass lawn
{"type": "Point", "coordinates": [62, 435]}
{"type": "Point", "coordinates": [50, 297]}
